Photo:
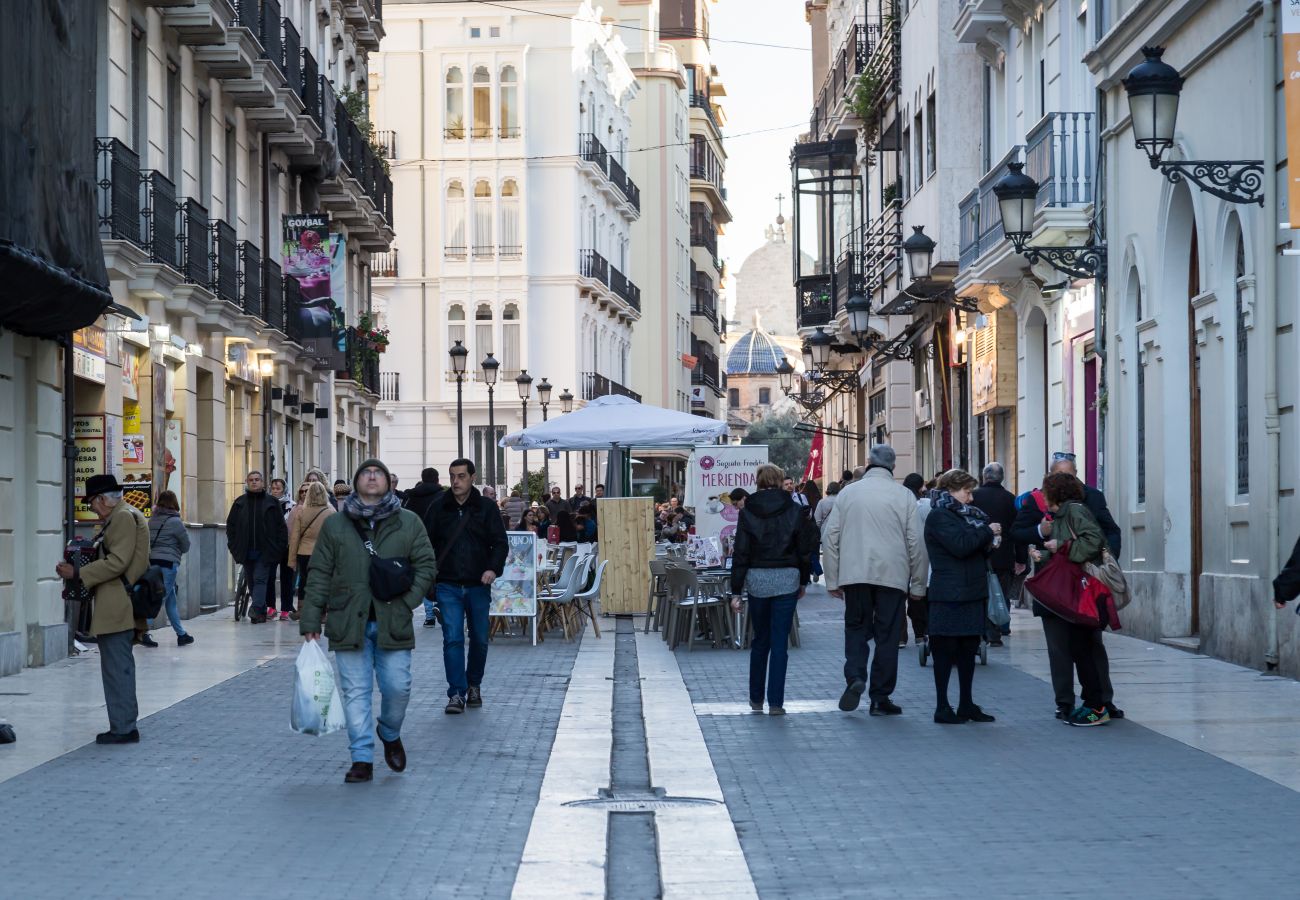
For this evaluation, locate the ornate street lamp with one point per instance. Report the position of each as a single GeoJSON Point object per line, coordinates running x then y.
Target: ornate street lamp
{"type": "Point", "coordinates": [858, 310]}
{"type": "Point", "coordinates": [920, 253]}
{"type": "Point", "coordinates": [489, 365]}
{"type": "Point", "coordinates": [525, 384]}
{"type": "Point", "coordinates": [459, 354]}
{"type": "Point", "coordinates": [820, 345]}
{"type": "Point", "coordinates": [566, 406]}
{"type": "Point", "coordinates": [806, 352]}
{"type": "Point", "coordinates": [785, 372]}
{"type": "Point", "coordinates": [1153, 88]}
{"type": "Point", "coordinates": [1017, 193]}
{"type": "Point", "coordinates": [544, 398]}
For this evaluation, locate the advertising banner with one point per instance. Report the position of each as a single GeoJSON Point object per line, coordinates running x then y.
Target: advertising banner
{"type": "Point", "coordinates": [1290, 13]}
{"type": "Point", "coordinates": [89, 354]}
{"type": "Point", "coordinates": [515, 592]}
{"type": "Point", "coordinates": [813, 471]}
{"type": "Point", "coordinates": [172, 460]}
{"type": "Point", "coordinates": [88, 435]}
{"type": "Point", "coordinates": [712, 474]}
{"type": "Point", "coordinates": [315, 320]}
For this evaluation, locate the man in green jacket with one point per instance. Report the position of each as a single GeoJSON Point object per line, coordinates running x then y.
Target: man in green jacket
{"type": "Point", "coordinates": [372, 638]}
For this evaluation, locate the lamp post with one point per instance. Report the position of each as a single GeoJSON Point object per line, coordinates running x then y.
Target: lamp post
{"type": "Point", "coordinates": [858, 310]}
{"type": "Point", "coordinates": [820, 345]}
{"type": "Point", "coordinates": [489, 365]}
{"type": "Point", "coordinates": [785, 372]}
{"type": "Point", "coordinates": [458, 355]}
{"type": "Point", "coordinates": [1153, 87]}
{"type": "Point", "coordinates": [566, 405]}
{"type": "Point", "coordinates": [525, 384]}
{"type": "Point", "coordinates": [544, 398]}
{"type": "Point", "coordinates": [919, 249]}
{"type": "Point", "coordinates": [1017, 201]}
{"type": "Point", "coordinates": [806, 353]}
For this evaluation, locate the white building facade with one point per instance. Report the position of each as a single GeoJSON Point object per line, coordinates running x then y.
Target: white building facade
{"type": "Point", "coordinates": [511, 133]}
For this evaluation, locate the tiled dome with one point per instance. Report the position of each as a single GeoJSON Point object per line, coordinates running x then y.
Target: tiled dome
{"type": "Point", "coordinates": [754, 354]}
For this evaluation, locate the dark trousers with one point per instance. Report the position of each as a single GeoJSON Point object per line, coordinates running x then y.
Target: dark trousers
{"type": "Point", "coordinates": [117, 669]}
{"type": "Point", "coordinates": [918, 610]}
{"type": "Point", "coordinates": [303, 563]}
{"type": "Point", "coordinates": [772, 617]}
{"type": "Point", "coordinates": [1073, 646]}
{"type": "Point", "coordinates": [260, 583]}
{"type": "Point", "coordinates": [872, 613]}
{"type": "Point", "coordinates": [285, 579]}
{"type": "Point", "coordinates": [1005, 578]}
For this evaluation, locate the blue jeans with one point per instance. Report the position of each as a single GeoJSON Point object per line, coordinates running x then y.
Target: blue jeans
{"type": "Point", "coordinates": [772, 617]}
{"type": "Point", "coordinates": [259, 573]}
{"type": "Point", "coordinates": [358, 671]}
{"type": "Point", "coordinates": [456, 601]}
{"type": "Point", "coordinates": [169, 602]}
{"type": "Point", "coordinates": [430, 609]}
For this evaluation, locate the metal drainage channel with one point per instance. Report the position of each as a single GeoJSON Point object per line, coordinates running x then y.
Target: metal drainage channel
{"type": "Point", "coordinates": [632, 843]}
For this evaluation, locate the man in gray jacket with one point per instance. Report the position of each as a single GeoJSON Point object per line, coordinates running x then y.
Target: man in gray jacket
{"type": "Point", "coordinates": [873, 553]}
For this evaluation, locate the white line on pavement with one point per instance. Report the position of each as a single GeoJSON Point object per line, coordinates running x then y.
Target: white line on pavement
{"type": "Point", "coordinates": [565, 853]}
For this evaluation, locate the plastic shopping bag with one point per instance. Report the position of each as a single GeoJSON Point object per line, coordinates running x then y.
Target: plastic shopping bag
{"type": "Point", "coordinates": [317, 708]}
{"type": "Point", "coordinates": [998, 612]}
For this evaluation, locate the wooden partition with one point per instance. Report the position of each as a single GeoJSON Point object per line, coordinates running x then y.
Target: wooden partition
{"type": "Point", "coordinates": [627, 540]}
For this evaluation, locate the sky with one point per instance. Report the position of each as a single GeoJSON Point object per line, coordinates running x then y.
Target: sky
{"type": "Point", "coordinates": [766, 88]}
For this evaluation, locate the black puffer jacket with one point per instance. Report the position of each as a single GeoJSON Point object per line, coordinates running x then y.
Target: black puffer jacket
{"type": "Point", "coordinates": [958, 570]}
{"type": "Point", "coordinates": [256, 522]}
{"type": "Point", "coordinates": [772, 533]}
{"type": "Point", "coordinates": [420, 499]}
{"type": "Point", "coordinates": [479, 546]}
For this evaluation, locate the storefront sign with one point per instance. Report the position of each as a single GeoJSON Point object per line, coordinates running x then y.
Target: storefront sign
{"type": "Point", "coordinates": [89, 356]}
{"type": "Point", "coordinates": [139, 494]}
{"type": "Point", "coordinates": [88, 436]}
{"type": "Point", "coordinates": [993, 371]}
{"type": "Point", "coordinates": [515, 592]}
{"type": "Point", "coordinates": [317, 320]}
{"type": "Point", "coordinates": [697, 396]}
{"type": "Point", "coordinates": [711, 475]}
{"type": "Point", "coordinates": [1290, 13]}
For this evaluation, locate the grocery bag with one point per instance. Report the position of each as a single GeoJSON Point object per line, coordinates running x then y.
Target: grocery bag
{"type": "Point", "coordinates": [998, 612]}
{"type": "Point", "coordinates": [317, 708]}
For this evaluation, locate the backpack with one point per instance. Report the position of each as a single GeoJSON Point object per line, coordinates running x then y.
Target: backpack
{"type": "Point", "coordinates": [147, 594]}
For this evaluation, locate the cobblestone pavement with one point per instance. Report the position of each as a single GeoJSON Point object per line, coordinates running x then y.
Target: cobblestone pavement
{"type": "Point", "coordinates": [829, 804]}
{"type": "Point", "coordinates": [222, 800]}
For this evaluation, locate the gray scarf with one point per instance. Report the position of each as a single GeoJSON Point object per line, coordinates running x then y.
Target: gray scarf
{"type": "Point", "coordinates": [377, 512]}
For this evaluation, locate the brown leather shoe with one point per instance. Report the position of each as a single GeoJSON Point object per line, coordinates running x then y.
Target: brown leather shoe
{"type": "Point", "coordinates": [394, 753]}
{"type": "Point", "coordinates": [359, 772]}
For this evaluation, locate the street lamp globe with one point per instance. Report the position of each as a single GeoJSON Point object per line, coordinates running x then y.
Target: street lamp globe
{"type": "Point", "coordinates": [920, 253]}
{"type": "Point", "coordinates": [858, 310]}
{"type": "Point", "coordinates": [820, 343]}
{"type": "Point", "coordinates": [1017, 195]}
{"type": "Point", "coordinates": [544, 392]}
{"type": "Point", "coordinates": [785, 372]}
{"type": "Point", "coordinates": [566, 401]}
{"type": "Point", "coordinates": [459, 355]}
{"type": "Point", "coordinates": [525, 384]}
{"type": "Point", "coordinates": [489, 365]}
{"type": "Point", "coordinates": [1153, 87]}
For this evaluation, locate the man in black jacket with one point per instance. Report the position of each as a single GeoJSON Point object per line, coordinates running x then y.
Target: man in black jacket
{"type": "Point", "coordinates": [470, 541]}
{"type": "Point", "coordinates": [999, 504]}
{"type": "Point", "coordinates": [1028, 531]}
{"type": "Point", "coordinates": [257, 538]}
{"type": "Point", "coordinates": [420, 500]}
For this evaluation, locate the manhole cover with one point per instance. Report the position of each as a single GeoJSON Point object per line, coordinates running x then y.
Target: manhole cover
{"type": "Point", "coordinates": [641, 804]}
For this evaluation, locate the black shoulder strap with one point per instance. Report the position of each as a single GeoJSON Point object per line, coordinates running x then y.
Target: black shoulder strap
{"type": "Point", "coordinates": [365, 537]}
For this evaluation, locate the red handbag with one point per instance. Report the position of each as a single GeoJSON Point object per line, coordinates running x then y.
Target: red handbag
{"type": "Point", "coordinates": [1066, 590]}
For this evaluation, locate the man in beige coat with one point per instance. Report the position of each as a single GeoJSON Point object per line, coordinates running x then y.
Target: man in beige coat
{"type": "Point", "coordinates": [123, 553]}
{"type": "Point", "coordinates": [873, 554]}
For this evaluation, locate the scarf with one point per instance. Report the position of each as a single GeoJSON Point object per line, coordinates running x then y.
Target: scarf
{"type": "Point", "coordinates": [377, 512]}
{"type": "Point", "coordinates": [973, 515]}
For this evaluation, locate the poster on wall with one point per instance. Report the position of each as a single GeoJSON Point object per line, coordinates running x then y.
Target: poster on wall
{"type": "Point", "coordinates": [711, 475]}
{"type": "Point", "coordinates": [515, 592]}
{"type": "Point", "coordinates": [130, 362]}
{"type": "Point", "coordinates": [172, 476]}
{"type": "Point", "coordinates": [88, 436]}
{"type": "Point", "coordinates": [90, 354]}
{"type": "Point", "coordinates": [315, 320]}
{"type": "Point", "coordinates": [139, 493]}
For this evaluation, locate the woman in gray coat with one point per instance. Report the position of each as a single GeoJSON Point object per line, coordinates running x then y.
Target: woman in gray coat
{"type": "Point", "coordinates": [168, 542]}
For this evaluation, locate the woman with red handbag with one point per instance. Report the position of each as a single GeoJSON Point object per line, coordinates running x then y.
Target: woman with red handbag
{"type": "Point", "coordinates": [1076, 533]}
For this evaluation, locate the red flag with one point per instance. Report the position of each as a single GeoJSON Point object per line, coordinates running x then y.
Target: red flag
{"type": "Point", "coordinates": [813, 471]}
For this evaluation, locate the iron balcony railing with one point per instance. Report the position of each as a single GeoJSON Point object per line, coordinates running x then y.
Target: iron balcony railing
{"type": "Point", "coordinates": [595, 385]}
{"type": "Point", "coordinates": [250, 279]}
{"type": "Point", "coordinates": [815, 300]}
{"type": "Point", "coordinates": [593, 151]}
{"type": "Point", "coordinates": [704, 303]}
{"type": "Point", "coordinates": [1058, 155]}
{"type": "Point", "coordinates": [484, 251]}
{"type": "Point", "coordinates": [159, 219]}
{"type": "Point", "coordinates": [292, 305]}
{"type": "Point", "coordinates": [273, 294]}
{"type": "Point", "coordinates": [980, 220]}
{"type": "Point", "coordinates": [456, 253]}
{"type": "Point", "coordinates": [292, 59]}
{"type": "Point", "coordinates": [882, 252]}
{"type": "Point", "coordinates": [593, 265]}
{"type": "Point", "coordinates": [390, 386]}
{"type": "Point", "coordinates": [702, 102]}
{"type": "Point", "coordinates": [248, 14]}
{"type": "Point", "coordinates": [625, 185]}
{"type": "Point", "coordinates": [384, 265]}
{"type": "Point", "coordinates": [512, 251]}
{"type": "Point", "coordinates": [848, 276]}
{"type": "Point", "coordinates": [118, 183]}
{"type": "Point", "coordinates": [269, 34]}
{"type": "Point", "coordinates": [310, 93]}
{"type": "Point", "coordinates": [882, 68]}
{"type": "Point", "coordinates": [192, 243]}
{"type": "Point", "coordinates": [851, 60]}
{"type": "Point", "coordinates": [703, 232]}
{"type": "Point", "coordinates": [968, 216]}
{"type": "Point", "coordinates": [223, 262]}
{"type": "Point", "coordinates": [623, 287]}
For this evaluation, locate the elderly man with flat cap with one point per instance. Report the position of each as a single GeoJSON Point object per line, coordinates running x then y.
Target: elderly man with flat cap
{"type": "Point", "coordinates": [122, 555]}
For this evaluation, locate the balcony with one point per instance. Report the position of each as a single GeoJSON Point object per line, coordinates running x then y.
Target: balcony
{"type": "Point", "coordinates": [624, 289]}
{"type": "Point", "coordinates": [708, 369]}
{"type": "Point", "coordinates": [594, 385]}
{"type": "Point", "coordinates": [250, 279]}
{"type": "Point", "coordinates": [273, 313]}
{"type": "Point", "coordinates": [703, 232]}
{"type": "Point", "coordinates": [703, 103]}
{"type": "Point", "coordinates": [704, 303]}
{"type": "Point", "coordinates": [223, 263]}
{"type": "Point", "coordinates": [882, 251]}
{"type": "Point", "coordinates": [594, 266]}
{"type": "Point", "coordinates": [203, 23]}
{"type": "Point", "coordinates": [981, 223]}
{"type": "Point", "coordinates": [816, 300]}
{"type": "Point", "coordinates": [384, 265]}
{"type": "Point", "coordinates": [833, 99]}
{"type": "Point", "coordinates": [455, 253]}
{"type": "Point", "coordinates": [249, 59]}
{"type": "Point", "coordinates": [192, 242]}
{"type": "Point", "coordinates": [1058, 155]}
{"type": "Point", "coordinates": [883, 67]}
{"type": "Point", "coordinates": [593, 153]}
{"type": "Point", "coordinates": [118, 188]}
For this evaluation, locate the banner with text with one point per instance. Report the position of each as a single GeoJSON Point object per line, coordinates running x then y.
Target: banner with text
{"type": "Point", "coordinates": [315, 321]}
{"type": "Point", "coordinates": [713, 473]}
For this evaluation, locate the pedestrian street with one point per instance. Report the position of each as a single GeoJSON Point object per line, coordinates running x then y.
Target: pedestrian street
{"type": "Point", "coordinates": [1193, 794]}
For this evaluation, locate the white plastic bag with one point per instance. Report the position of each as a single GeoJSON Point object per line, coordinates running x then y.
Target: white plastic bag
{"type": "Point", "coordinates": [317, 708]}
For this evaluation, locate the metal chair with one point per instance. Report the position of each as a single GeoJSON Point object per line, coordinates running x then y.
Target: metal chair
{"type": "Point", "coordinates": [582, 601]}
{"type": "Point", "coordinates": [562, 604]}
{"type": "Point", "coordinates": [654, 611]}
{"type": "Point", "coordinates": [687, 602]}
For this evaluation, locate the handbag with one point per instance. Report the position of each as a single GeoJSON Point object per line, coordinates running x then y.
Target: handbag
{"type": "Point", "coordinates": [390, 577]}
{"type": "Point", "coordinates": [998, 612]}
{"type": "Point", "coordinates": [1109, 573]}
{"type": "Point", "coordinates": [1067, 591]}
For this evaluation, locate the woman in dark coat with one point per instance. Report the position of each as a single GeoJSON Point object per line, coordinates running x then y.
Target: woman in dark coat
{"type": "Point", "coordinates": [958, 537]}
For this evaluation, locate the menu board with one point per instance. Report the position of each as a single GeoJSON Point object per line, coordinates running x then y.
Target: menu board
{"type": "Point", "coordinates": [515, 592]}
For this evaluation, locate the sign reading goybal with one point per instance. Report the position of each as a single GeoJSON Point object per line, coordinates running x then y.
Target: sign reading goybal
{"type": "Point", "coordinates": [314, 320]}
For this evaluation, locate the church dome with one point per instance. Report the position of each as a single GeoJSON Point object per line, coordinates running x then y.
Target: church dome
{"type": "Point", "coordinates": [756, 353]}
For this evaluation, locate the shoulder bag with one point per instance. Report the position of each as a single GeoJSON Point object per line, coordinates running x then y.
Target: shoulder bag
{"type": "Point", "coordinates": [998, 611]}
{"type": "Point", "coordinates": [390, 577]}
{"type": "Point", "coordinates": [1106, 569]}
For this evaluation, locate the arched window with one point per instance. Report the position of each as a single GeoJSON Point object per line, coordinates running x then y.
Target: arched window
{"type": "Point", "coordinates": [511, 240]}
{"type": "Point", "coordinates": [510, 349]}
{"type": "Point", "coordinates": [454, 244]}
{"type": "Point", "coordinates": [482, 220]}
{"type": "Point", "coordinates": [453, 126]}
{"type": "Point", "coordinates": [482, 332]}
{"type": "Point", "coordinates": [509, 113]}
{"type": "Point", "coordinates": [1242, 370]}
{"type": "Point", "coordinates": [456, 328]}
{"type": "Point", "coordinates": [482, 126]}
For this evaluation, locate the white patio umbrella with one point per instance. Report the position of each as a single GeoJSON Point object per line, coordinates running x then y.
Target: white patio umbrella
{"type": "Point", "coordinates": [617, 424]}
